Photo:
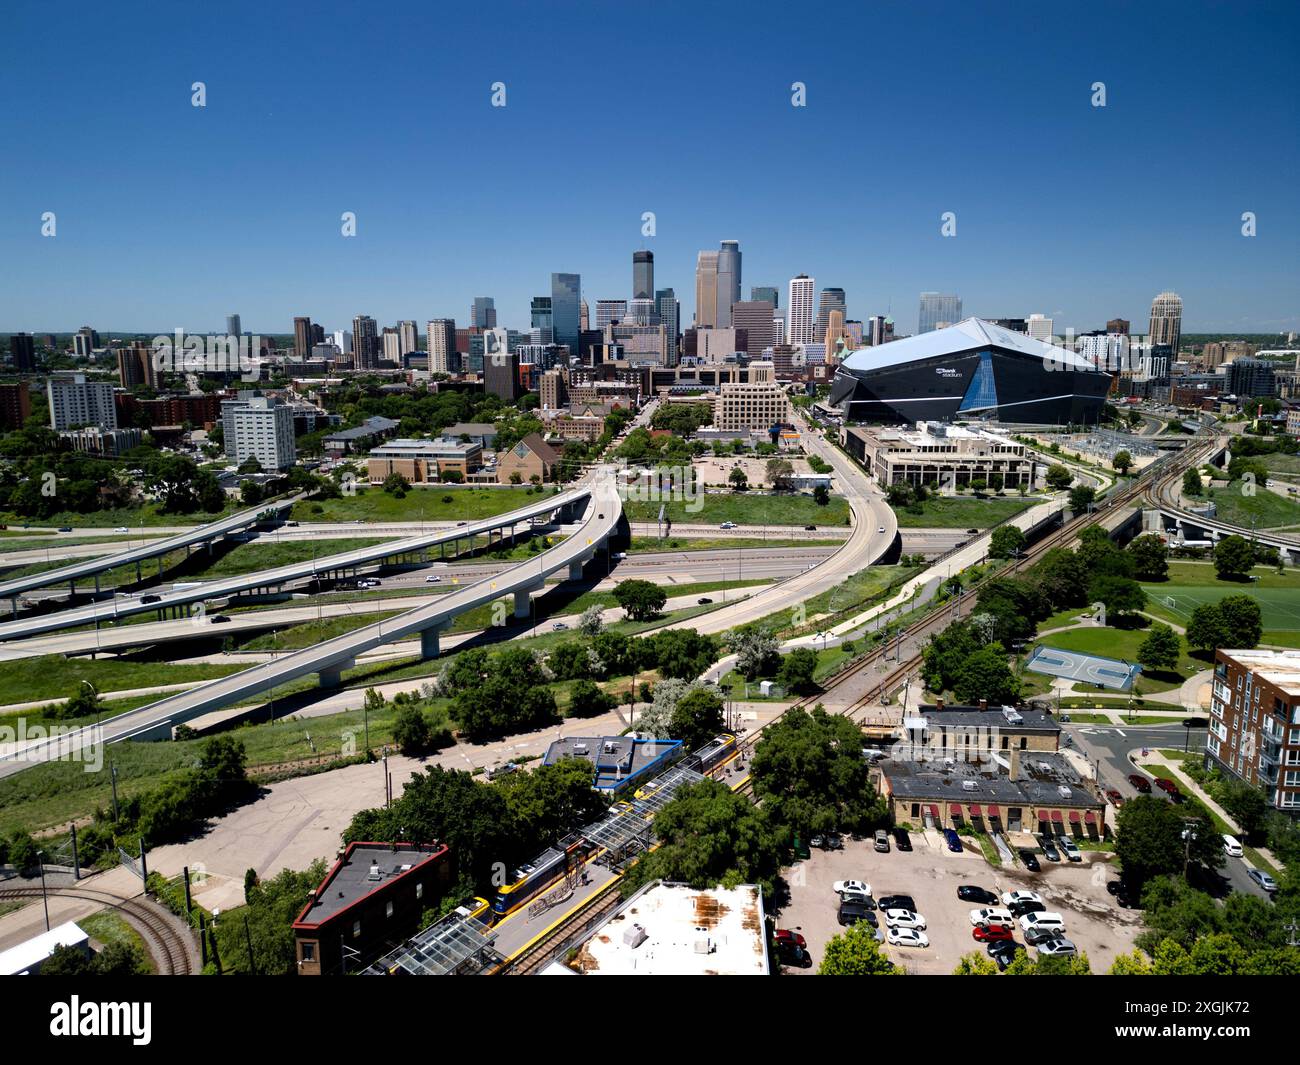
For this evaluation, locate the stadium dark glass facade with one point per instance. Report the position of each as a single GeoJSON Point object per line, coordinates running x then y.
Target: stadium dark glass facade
{"type": "Point", "coordinates": [971, 370]}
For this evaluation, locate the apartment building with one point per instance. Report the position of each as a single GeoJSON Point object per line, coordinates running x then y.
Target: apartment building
{"type": "Point", "coordinates": [1254, 730]}
{"type": "Point", "coordinates": [75, 402]}
{"type": "Point", "coordinates": [260, 427]}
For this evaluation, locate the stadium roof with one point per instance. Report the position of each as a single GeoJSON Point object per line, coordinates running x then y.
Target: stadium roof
{"type": "Point", "coordinates": [969, 335]}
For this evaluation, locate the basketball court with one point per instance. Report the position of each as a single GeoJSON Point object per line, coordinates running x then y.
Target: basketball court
{"type": "Point", "coordinates": [1111, 673]}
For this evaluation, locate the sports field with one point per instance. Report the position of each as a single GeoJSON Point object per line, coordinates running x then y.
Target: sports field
{"type": "Point", "coordinates": [1279, 607]}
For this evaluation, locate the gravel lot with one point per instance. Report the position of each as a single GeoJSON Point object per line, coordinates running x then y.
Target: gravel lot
{"type": "Point", "coordinates": [931, 875]}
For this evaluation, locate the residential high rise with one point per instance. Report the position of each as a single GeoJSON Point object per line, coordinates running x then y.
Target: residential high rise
{"type": "Point", "coordinates": [392, 345]}
{"type": "Point", "coordinates": [85, 341]}
{"type": "Point", "coordinates": [800, 322]}
{"type": "Point", "coordinates": [670, 317]}
{"type": "Point", "coordinates": [610, 311]}
{"type": "Point", "coordinates": [301, 337]}
{"type": "Point", "coordinates": [441, 344]}
{"type": "Point", "coordinates": [1118, 325]}
{"type": "Point", "coordinates": [1039, 328]}
{"type": "Point", "coordinates": [483, 315]}
{"type": "Point", "coordinates": [1252, 734]}
{"type": "Point", "coordinates": [831, 299]}
{"type": "Point", "coordinates": [75, 402]}
{"type": "Point", "coordinates": [256, 426]}
{"type": "Point", "coordinates": [232, 326]}
{"type": "Point", "coordinates": [566, 297]}
{"type": "Point", "coordinates": [643, 275]}
{"type": "Point", "coordinates": [584, 317]}
{"type": "Point", "coordinates": [937, 311]}
{"type": "Point", "coordinates": [135, 366]}
{"type": "Point", "coordinates": [365, 343]}
{"type": "Point", "coordinates": [15, 404]}
{"type": "Point", "coordinates": [728, 282]}
{"type": "Point", "coordinates": [766, 292]}
{"type": "Point", "coordinates": [554, 395]}
{"type": "Point", "coordinates": [755, 318]}
{"type": "Point", "coordinates": [501, 374]}
{"type": "Point", "coordinates": [343, 341]}
{"type": "Point", "coordinates": [543, 321]}
{"type": "Point", "coordinates": [1166, 320]}
{"type": "Point", "coordinates": [706, 290]}
{"type": "Point", "coordinates": [408, 334]}
{"type": "Point", "coordinates": [22, 349]}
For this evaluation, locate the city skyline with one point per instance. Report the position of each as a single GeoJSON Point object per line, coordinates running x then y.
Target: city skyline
{"type": "Point", "coordinates": [1068, 229]}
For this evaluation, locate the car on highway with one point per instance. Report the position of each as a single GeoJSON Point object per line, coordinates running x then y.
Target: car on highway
{"type": "Point", "coordinates": [435, 579]}
{"type": "Point", "coordinates": [1069, 848]}
{"type": "Point", "coordinates": [121, 529]}
{"type": "Point", "coordinates": [1030, 859]}
{"type": "Point", "coordinates": [904, 919]}
{"type": "Point", "coordinates": [882, 841]}
{"type": "Point", "coordinates": [1140, 782]}
{"type": "Point", "coordinates": [704, 600]}
{"type": "Point", "coordinates": [971, 893]}
{"type": "Point", "coordinates": [991, 932]}
{"type": "Point", "coordinates": [65, 528]}
{"type": "Point", "coordinates": [358, 521]}
{"type": "Point", "coordinates": [990, 915]}
{"type": "Point", "coordinates": [907, 937]}
{"type": "Point", "coordinates": [619, 556]}
{"type": "Point", "coordinates": [841, 886]}
{"type": "Point", "coordinates": [1049, 848]}
{"type": "Point", "coordinates": [559, 626]}
{"type": "Point", "coordinates": [460, 523]}
{"type": "Point", "coordinates": [881, 529]}
{"type": "Point", "coordinates": [292, 524]}
{"type": "Point", "coordinates": [1167, 786]}
{"type": "Point", "coordinates": [1263, 879]}
{"type": "Point", "coordinates": [218, 619]}
{"type": "Point", "coordinates": [972, 530]}
{"type": "Point", "coordinates": [727, 525]}
{"type": "Point", "coordinates": [810, 528]}
{"type": "Point", "coordinates": [952, 839]}
{"type": "Point", "coordinates": [902, 840]}
{"type": "Point", "coordinates": [151, 599]}
{"type": "Point", "coordinates": [1057, 947]}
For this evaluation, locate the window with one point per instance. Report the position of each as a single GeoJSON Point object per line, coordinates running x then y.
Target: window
{"type": "Point", "coordinates": [419, 891]}
{"type": "Point", "coordinates": [309, 952]}
{"type": "Point", "coordinates": [356, 929]}
{"type": "Point", "coordinates": [388, 910]}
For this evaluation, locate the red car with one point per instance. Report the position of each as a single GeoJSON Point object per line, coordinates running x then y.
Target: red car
{"type": "Point", "coordinates": [991, 933]}
{"type": "Point", "coordinates": [788, 938]}
{"type": "Point", "coordinates": [1167, 786]}
{"type": "Point", "coordinates": [1115, 797]}
{"type": "Point", "coordinates": [1140, 782]}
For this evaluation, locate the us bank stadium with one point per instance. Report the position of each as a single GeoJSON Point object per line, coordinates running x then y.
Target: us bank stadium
{"type": "Point", "coordinates": [971, 370]}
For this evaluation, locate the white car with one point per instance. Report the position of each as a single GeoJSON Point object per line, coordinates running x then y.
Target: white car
{"type": "Point", "coordinates": [121, 528]}
{"type": "Point", "coordinates": [991, 915]}
{"type": "Point", "coordinates": [907, 937]}
{"type": "Point", "coordinates": [1010, 898]}
{"type": "Point", "coordinates": [1044, 919]}
{"type": "Point", "coordinates": [881, 529]}
{"type": "Point", "coordinates": [841, 886]}
{"type": "Point", "coordinates": [1068, 847]}
{"type": "Point", "coordinates": [727, 525]}
{"type": "Point", "coordinates": [904, 919]}
{"type": "Point", "coordinates": [433, 580]}
{"type": "Point", "coordinates": [1232, 846]}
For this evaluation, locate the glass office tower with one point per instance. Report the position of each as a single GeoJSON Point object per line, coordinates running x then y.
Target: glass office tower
{"type": "Point", "coordinates": [566, 297]}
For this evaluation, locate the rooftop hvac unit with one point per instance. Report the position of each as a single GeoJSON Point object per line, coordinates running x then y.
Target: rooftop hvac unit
{"type": "Point", "coordinates": [1013, 716]}
{"type": "Point", "coordinates": [704, 946]}
{"type": "Point", "coordinates": [969, 785]}
{"type": "Point", "coordinates": [1063, 790]}
{"type": "Point", "coordinates": [634, 936]}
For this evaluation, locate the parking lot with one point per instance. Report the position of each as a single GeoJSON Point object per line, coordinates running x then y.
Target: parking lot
{"type": "Point", "coordinates": [931, 874]}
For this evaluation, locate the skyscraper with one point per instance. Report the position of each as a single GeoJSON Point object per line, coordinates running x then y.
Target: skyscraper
{"type": "Point", "coordinates": [1167, 320]}
{"type": "Point", "coordinates": [800, 322]}
{"type": "Point", "coordinates": [706, 289]}
{"type": "Point", "coordinates": [483, 315]}
{"type": "Point", "coordinates": [441, 342]}
{"type": "Point", "coordinates": [543, 322]}
{"type": "Point", "coordinates": [301, 337]}
{"type": "Point", "coordinates": [408, 337]}
{"type": "Point", "coordinates": [831, 299]}
{"type": "Point", "coordinates": [566, 295]}
{"type": "Point", "coordinates": [1039, 327]}
{"type": "Point", "coordinates": [22, 347]}
{"type": "Point", "coordinates": [728, 282]}
{"type": "Point", "coordinates": [766, 292]}
{"type": "Point", "coordinates": [834, 335]}
{"type": "Point", "coordinates": [232, 326]}
{"type": "Point", "coordinates": [643, 275]}
{"type": "Point", "coordinates": [937, 311]}
{"type": "Point", "coordinates": [755, 318]}
{"type": "Point", "coordinates": [584, 317]}
{"type": "Point", "coordinates": [1118, 325]}
{"type": "Point", "coordinates": [610, 311]}
{"type": "Point", "coordinates": [365, 343]}
{"type": "Point", "coordinates": [670, 317]}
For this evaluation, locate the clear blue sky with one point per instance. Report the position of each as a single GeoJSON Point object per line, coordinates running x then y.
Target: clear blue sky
{"type": "Point", "coordinates": [170, 215]}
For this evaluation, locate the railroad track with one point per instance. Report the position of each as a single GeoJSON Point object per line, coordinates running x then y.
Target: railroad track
{"type": "Point", "coordinates": [169, 949]}
{"type": "Point", "coordinates": [539, 953]}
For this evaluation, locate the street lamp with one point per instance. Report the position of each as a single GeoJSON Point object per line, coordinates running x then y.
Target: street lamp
{"type": "Point", "coordinates": [40, 858]}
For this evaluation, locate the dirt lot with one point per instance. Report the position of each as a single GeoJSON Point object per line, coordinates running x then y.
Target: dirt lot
{"type": "Point", "coordinates": [931, 875]}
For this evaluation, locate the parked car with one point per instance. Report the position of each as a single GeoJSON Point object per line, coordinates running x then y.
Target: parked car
{"type": "Point", "coordinates": [904, 919]}
{"type": "Point", "coordinates": [898, 902]}
{"type": "Point", "coordinates": [907, 937]}
{"type": "Point", "coordinates": [1008, 897]}
{"type": "Point", "coordinates": [1060, 947]}
{"type": "Point", "coordinates": [1263, 879]}
{"type": "Point", "coordinates": [1068, 846]}
{"type": "Point", "coordinates": [1030, 859]}
{"type": "Point", "coordinates": [952, 839]}
{"type": "Point", "coordinates": [841, 886]}
{"type": "Point", "coordinates": [791, 948]}
{"type": "Point", "coordinates": [987, 933]}
{"type": "Point", "coordinates": [860, 898]}
{"type": "Point", "coordinates": [1019, 909]}
{"type": "Point", "coordinates": [1032, 922]}
{"type": "Point", "coordinates": [990, 915]}
{"type": "Point", "coordinates": [902, 840]}
{"type": "Point", "coordinates": [1049, 848]}
{"type": "Point", "coordinates": [1041, 935]}
{"type": "Point", "coordinates": [971, 893]}
{"type": "Point", "coordinates": [559, 626]}
{"type": "Point", "coordinates": [1167, 786]}
{"type": "Point", "coordinates": [1117, 800]}
{"type": "Point", "coordinates": [1140, 782]}
{"type": "Point", "coordinates": [882, 840]}
{"type": "Point", "coordinates": [1232, 846]}
{"type": "Point", "coordinates": [1004, 951]}
{"type": "Point", "coordinates": [853, 912]}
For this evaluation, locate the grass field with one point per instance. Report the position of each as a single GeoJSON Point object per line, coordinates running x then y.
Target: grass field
{"type": "Point", "coordinates": [1281, 463]}
{"type": "Point", "coordinates": [110, 543]}
{"type": "Point", "coordinates": [132, 517]}
{"type": "Point", "coordinates": [1124, 643]}
{"type": "Point", "coordinates": [53, 677]}
{"type": "Point", "coordinates": [744, 508]}
{"type": "Point", "coordinates": [373, 505]}
{"type": "Point", "coordinates": [1268, 509]}
{"type": "Point", "coordinates": [267, 554]}
{"type": "Point", "coordinates": [1191, 584]}
{"type": "Point", "coordinates": [649, 544]}
{"type": "Point", "coordinates": [961, 512]}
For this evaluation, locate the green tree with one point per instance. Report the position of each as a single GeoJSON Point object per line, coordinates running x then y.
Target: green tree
{"type": "Point", "coordinates": [411, 731]}
{"type": "Point", "coordinates": [1007, 540]}
{"type": "Point", "coordinates": [756, 650]}
{"type": "Point", "coordinates": [1205, 629]}
{"type": "Point", "coordinates": [1059, 477]}
{"type": "Point", "coordinates": [975, 964]}
{"type": "Point", "coordinates": [1151, 842]}
{"type": "Point", "coordinates": [1122, 595]}
{"type": "Point", "coordinates": [1150, 558]}
{"type": "Point", "coordinates": [1192, 482]}
{"type": "Point", "coordinates": [1233, 558]}
{"type": "Point", "coordinates": [821, 495]}
{"type": "Point", "coordinates": [697, 718]}
{"type": "Point", "coordinates": [1243, 623]}
{"type": "Point", "coordinates": [986, 675]}
{"type": "Point", "coordinates": [589, 700]}
{"type": "Point", "coordinates": [640, 600]}
{"type": "Point", "coordinates": [738, 480]}
{"type": "Point", "coordinates": [797, 669]}
{"type": "Point", "coordinates": [1081, 496]}
{"type": "Point", "coordinates": [855, 952]}
{"type": "Point", "coordinates": [1161, 648]}
{"type": "Point", "coordinates": [1130, 964]}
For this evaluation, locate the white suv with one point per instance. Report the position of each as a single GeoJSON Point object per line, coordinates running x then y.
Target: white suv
{"type": "Point", "coordinates": [1044, 919]}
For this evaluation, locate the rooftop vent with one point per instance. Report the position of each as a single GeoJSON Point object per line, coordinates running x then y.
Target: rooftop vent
{"type": "Point", "coordinates": [1063, 790]}
{"type": "Point", "coordinates": [375, 874]}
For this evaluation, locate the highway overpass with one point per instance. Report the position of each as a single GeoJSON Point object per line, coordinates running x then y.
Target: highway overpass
{"type": "Point", "coordinates": [200, 534]}
{"type": "Point", "coordinates": [275, 579]}
{"type": "Point", "coordinates": [329, 659]}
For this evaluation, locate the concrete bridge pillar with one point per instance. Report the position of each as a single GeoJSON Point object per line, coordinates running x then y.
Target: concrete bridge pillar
{"type": "Point", "coordinates": [523, 598]}
{"type": "Point", "coordinates": [332, 676]}
{"type": "Point", "coordinates": [430, 641]}
{"type": "Point", "coordinates": [575, 569]}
